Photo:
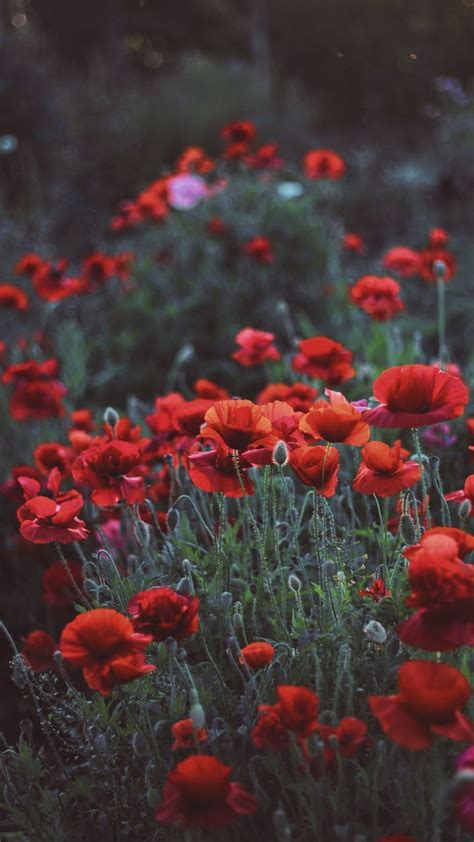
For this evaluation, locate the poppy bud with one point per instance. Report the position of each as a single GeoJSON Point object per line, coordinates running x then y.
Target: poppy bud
{"type": "Point", "coordinates": [280, 454]}
{"type": "Point", "coordinates": [375, 632]}
{"type": "Point", "coordinates": [153, 798]}
{"type": "Point", "coordinates": [439, 270]}
{"type": "Point", "coordinates": [184, 354]}
{"type": "Point", "coordinates": [111, 417]}
{"type": "Point", "coordinates": [225, 601]}
{"type": "Point", "coordinates": [329, 569]}
{"type": "Point", "coordinates": [198, 716]}
{"type": "Point", "coordinates": [280, 823]}
{"type": "Point", "coordinates": [143, 532]}
{"type": "Point", "coordinates": [464, 509]}
{"type": "Point", "coordinates": [407, 530]}
{"type": "Point", "coordinates": [183, 586]}
{"type": "Point", "coordinates": [173, 518]}
{"type": "Point", "coordinates": [139, 745]}
{"type": "Point", "coordinates": [171, 646]}
{"type": "Point", "coordinates": [294, 583]}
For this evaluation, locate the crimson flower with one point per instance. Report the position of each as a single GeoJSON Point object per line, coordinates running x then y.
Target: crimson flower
{"type": "Point", "coordinates": [427, 705]}
{"type": "Point", "coordinates": [256, 347]}
{"type": "Point", "coordinates": [442, 591]}
{"type": "Point", "coordinates": [265, 158]}
{"type": "Point", "coordinates": [351, 736]}
{"type": "Point", "coordinates": [81, 419]}
{"type": "Point", "coordinates": [240, 131]}
{"type": "Point", "coordinates": [353, 242]}
{"type": "Point", "coordinates": [335, 420]}
{"type": "Point", "coordinates": [52, 284]}
{"type": "Point", "coordinates": [51, 455]}
{"type": "Point", "coordinates": [38, 649]}
{"type": "Point", "coordinates": [260, 249]}
{"type": "Point", "coordinates": [209, 390]}
{"type": "Point", "coordinates": [438, 237]}
{"type": "Point", "coordinates": [298, 708]}
{"type": "Point", "coordinates": [323, 163]}
{"type": "Point", "coordinates": [464, 494]}
{"type": "Point", "coordinates": [37, 394]}
{"type": "Point", "coordinates": [378, 297]}
{"type": "Point", "coordinates": [299, 396]}
{"type": "Point", "coordinates": [57, 589]}
{"type": "Point", "coordinates": [429, 257]}
{"type": "Point", "coordinates": [325, 359]}
{"type": "Point", "coordinates": [376, 591]}
{"type": "Point", "coordinates": [198, 793]}
{"type": "Point", "coordinates": [44, 520]}
{"type": "Point", "coordinates": [318, 467]}
{"type": "Point", "coordinates": [185, 734]}
{"type": "Point", "coordinates": [215, 471]}
{"type": "Point", "coordinates": [28, 265]}
{"type": "Point", "coordinates": [416, 396]}
{"type": "Point", "coordinates": [269, 731]}
{"type": "Point", "coordinates": [237, 425]}
{"type": "Point", "coordinates": [104, 644]}
{"type": "Point", "coordinates": [108, 470]}
{"type": "Point", "coordinates": [194, 160]}
{"type": "Point", "coordinates": [383, 470]}
{"type": "Point", "coordinates": [12, 297]}
{"type": "Point", "coordinates": [397, 837]}
{"type": "Point", "coordinates": [161, 613]}
{"type": "Point", "coordinates": [402, 260]}
{"type": "Point", "coordinates": [258, 654]}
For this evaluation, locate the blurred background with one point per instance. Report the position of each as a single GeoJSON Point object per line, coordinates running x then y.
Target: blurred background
{"type": "Point", "coordinates": [96, 97]}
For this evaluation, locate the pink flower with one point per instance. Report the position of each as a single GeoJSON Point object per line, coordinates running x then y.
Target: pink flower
{"type": "Point", "coordinates": [186, 191]}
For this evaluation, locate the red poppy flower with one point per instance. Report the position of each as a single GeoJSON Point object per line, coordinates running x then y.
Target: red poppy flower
{"type": "Point", "coordinates": [324, 359]}
{"type": "Point", "coordinates": [215, 471]}
{"type": "Point", "coordinates": [428, 704]}
{"type": "Point", "coordinates": [161, 613]}
{"type": "Point", "coordinates": [209, 390]}
{"type": "Point", "coordinates": [52, 284]}
{"type": "Point", "coordinates": [256, 347]}
{"type": "Point", "coordinates": [217, 228]}
{"type": "Point", "coordinates": [416, 396]}
{"type": "Point", "coordinates": [12, 297]}
{"type": "Point", "coordinates": [404, 261]}
{"type": "Point", "coordinates": [237, 425]}
{"type": "Point", "coordinates": [53, 455]}
{"type": "Point", "coordinates": [269, 731]}
{"type": "Point", "coordinates": [125, 430]}
{"type": "Point", "coordinates": [318, 467]}
{"type": "Point", "coordinates": [378, 297]}
{"type": "Point", "coordinates": [464, 494]}
{"type": "Point", "coordinates": [37, 399]}
{"type": "Point", "coordinates": [81, 419]}
{"type": "Point", "coordinates": [376, 591]}
{"type": "Point", "coordinates": [108, 470]}
{"type": "Point", "coordinates": [38, 650]}
{"type": "Point", "coordinates": [464, 541]}
{"type": "Point", "coordinates": [194, 160]}
{"type": "Point", "coordinates": [240, 131]}
{"type": "Point", "coordinates": [96, 269]}
{"type": "Point", "coordinates": [47, 519]}
{"type": "Point", "coordinates": [285, 425]}
{"type": "Point", "coordinates": [258, 654]}
{"type": "Point", "coordinates": [198, 793]}
{"type": "Point", "coordinates": [353, 242]}
{"type": "Point", "coordinates": [383, 470]}
{"type": "Point", "coordinates": [429, 257]}
{"type": "Point", "coordinates": [188, 419]}
{"type": "Point", "coordinates": [298, 708]}
{"type": "Point", "coordinates": [260, 249]}
{"type": "Point", "coordinates": [335, 420]}
{"type": "Point", "coordinates": [443, 592]}
{"type": "Point", "coordinates": [438, 237]}
{"type": "Point", "coordinates": [299, 396]}
{"type": "Point", "coordinates": [57, 589]}
{"type": "Point", "coordinates": [185, 734]}
{"type": "Point", "coordinates": [104, 643]}
{"type": "Point", "coordinates": [323, 163]}
{"type": "Point", "coordinates": [123, 264]}
{"type": "Point", "coordinates": [28, 265]}
{"type": "Point", "coordinates": [265, 158]}
{"type": "Point", "coordinates": [235, 152]}
{"type": "Point", "coordinates": [351, 736]}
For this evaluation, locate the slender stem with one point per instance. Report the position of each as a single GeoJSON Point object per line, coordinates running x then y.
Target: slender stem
{"type": "Point", "coordinates": [424, 489]}
{"type": "Point", "coordinates": [442, 348]}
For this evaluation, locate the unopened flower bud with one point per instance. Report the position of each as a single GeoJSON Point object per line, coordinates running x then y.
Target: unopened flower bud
{"type": "Point", "coordinates": [464, 509]}
{"type": "Point", "coordinates": [171, 646]}
{"type": "Point", "coordinates": [281, 825]}
{"type": "Point", "coordinates": [173, 518]}
{"type": "Point", "coordinates": [184, 586]}
{"type": "Point", "coordinates": [407, 530]}
{"type": "Point", "coordinates": [143, 532]}
{"type": "Point", "coordinates": [184, 354]}
{"type": "Point", "coordinates": [111, 417]}
{"type": "Point", "coordinates": [280, 454]}
{"type": "Point", "coordinates": [198, 716]}
{"type": "Point", "coordinates": [225, 601]}
{"type": "Point", "coordinates": [439, 270]}
{"type": "Point", "coordinates": [294, 583]}
{"type": "Point", "coordinates": [375, 632]}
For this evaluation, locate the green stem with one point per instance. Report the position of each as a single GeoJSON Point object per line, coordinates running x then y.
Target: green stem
{"type": "Point", "coordinates": [442, 348]}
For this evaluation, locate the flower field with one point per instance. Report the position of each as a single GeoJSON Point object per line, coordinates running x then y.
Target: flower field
{"type": "Point", "coordinates": [237, 517]}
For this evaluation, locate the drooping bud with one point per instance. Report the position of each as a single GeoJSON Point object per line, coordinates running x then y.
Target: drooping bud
{"type": "Point", "coordinates": [173, 519]}
{"type": "Point", "coordinates": [294, 583]}
{"type": "Point", "coordinates": [183, 586]}
{"type": "Point", "coordinates": [407, 530]}
{"type": "Point", "coordinates": [375, 632]}
{"type": "Point", "coordinates": [225, 601]}
{"type": "Point", "coordinates": [464, 509]}
{"type": "Point", "coordinates": [439, 270]}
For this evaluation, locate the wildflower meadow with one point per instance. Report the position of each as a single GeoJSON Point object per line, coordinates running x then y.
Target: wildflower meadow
{"type": "Point", "coordinates": [237, 516]}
